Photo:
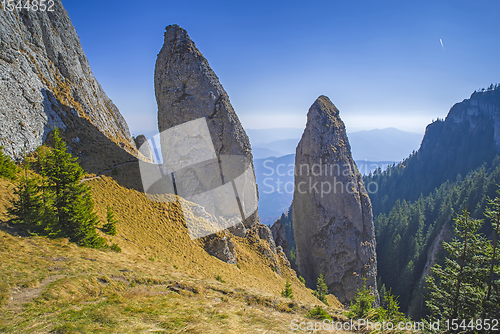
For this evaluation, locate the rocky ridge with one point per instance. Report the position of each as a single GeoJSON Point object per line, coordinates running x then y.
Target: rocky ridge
{"type": "Point", "coordinates": [332, 215]}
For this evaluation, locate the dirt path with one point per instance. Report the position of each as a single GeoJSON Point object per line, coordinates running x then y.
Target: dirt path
{"type": "Point", "coordinates": [20, 296]}
{"type": "Point", "coordinates": [108, 170]}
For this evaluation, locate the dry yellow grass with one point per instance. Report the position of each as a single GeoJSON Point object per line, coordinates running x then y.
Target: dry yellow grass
{"type": "Point", "coordinates": [162, 282]}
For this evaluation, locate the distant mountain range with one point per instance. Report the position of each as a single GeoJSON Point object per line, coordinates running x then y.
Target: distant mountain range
{"type": "Point", "coordinates": [383, 144]}
{"type": "Point", "coordinates": [373, 145]}
{"type": "Point", "coordinates": [262, 136]}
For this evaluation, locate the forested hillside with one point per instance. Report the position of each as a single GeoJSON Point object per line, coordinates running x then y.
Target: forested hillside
{"type": "Point", "coordinates": [456, 168]}
{"type": "Point", "coordinates": [405, 236]}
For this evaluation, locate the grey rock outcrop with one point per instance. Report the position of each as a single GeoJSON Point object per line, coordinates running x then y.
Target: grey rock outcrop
{"type": "Point", "coordinates": [266, 234]}
{"type": "Point", "coordinates": [221, 246]}
{"type": "Point", "coordinates": [332, 214]}
{"type": "Point", "coordinates": [187, 89]}
{"type": "Point", "coordinates": [480, 108]}
{"type": "Point", "coordinates": [279, 236]}
{"type": "Point", "coordinates": [143, 146]}
{"type": "Point", "coordinates": [46, 82]}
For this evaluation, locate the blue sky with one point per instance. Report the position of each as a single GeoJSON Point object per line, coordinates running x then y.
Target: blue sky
{"type": "Point", "coordinates": [380, 62]}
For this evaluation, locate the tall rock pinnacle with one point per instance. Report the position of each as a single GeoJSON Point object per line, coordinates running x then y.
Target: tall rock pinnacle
{"type": "Point", "coordinates": [332, 213]}
{"type": "Point", "coordinates": [187, 89]}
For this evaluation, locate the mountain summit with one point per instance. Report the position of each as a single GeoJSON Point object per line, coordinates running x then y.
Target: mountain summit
{"type": "Point", "coordinates": [332, 214]}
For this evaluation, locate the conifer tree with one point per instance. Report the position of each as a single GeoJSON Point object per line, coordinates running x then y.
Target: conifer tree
{"type": "Point", "coordinates": [321, 290]}
{"type": "Point", "coordinates": [491, 300]}
{"type": "Point", "coordinates": [363, 302]}
{"type": "Point", "coordinates": [7, 167]}
{"type": "Point", "coordinates": [110, 226]}
{"type": "Point", "coordinates": [392, 307]}
{"type": "Point", "coordinates": [459, 290]}
{"type": "Point", "coordinates": [72, 205]}
{"type": "Point", "coordinates": [28, 208]}
{"type": "Point", "coordinates": [287, 292]}
{"type": "Point", "coordinates": [382, 293]}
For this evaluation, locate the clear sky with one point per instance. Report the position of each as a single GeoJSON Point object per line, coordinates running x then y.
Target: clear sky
{"type": "Point", "coordinates": [381, 62]}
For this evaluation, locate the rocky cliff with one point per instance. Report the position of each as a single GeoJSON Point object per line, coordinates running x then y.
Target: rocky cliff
{"type": "Point", "coordinates": [46, 82]}
{"type": "Point", "coordinates": [332, 214]}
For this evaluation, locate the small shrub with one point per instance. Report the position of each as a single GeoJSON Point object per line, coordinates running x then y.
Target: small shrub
{"type": "Point", "coordinates": [175, 267]}
{"type": "Point", "coordinates": [302, 280]}
{"type": "Point", "coordinates": [115, 171]}
{"type": "Point", "coordinates": [287, 292]}
{"type": "Point", "coordinates": [219, 278]}
{"type": "Point", "coordinates": [318, 313]}
{"type": "Point", "coordinates": [115, 248]}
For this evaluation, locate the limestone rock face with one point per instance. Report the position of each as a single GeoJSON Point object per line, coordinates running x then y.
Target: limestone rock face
{"type": "Point", "coordinates": [187, 89]}
{"type": "Point", "coordinates": [332, 214]}
{"type": "Point", "coordinates": [45, 79]}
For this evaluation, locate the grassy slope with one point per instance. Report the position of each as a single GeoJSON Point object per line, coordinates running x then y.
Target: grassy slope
{"type": "Point", "coordinates": [161, 282]}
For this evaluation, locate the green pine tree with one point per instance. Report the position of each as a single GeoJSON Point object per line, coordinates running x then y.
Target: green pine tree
{"type": "Point", "coordinates": [28, 207]}
{"type": "Point", "coordinates": [492, 299]}
{"type": "Point", "coordinates": [7, 167]}
{"type": "Point", "coordinates": [392, 307]}
{"type": "Point", "coordinates": [383, 293]}
{"type": "Point", "coordinates": [362, 304]}
{"type": "Point", "coordinates": [321, 290]}
{"type": "Point", "coordinates": [287, 292]}
{"type": "Point", "coordinates": [459, 290]}
{"type": "Point", "coordinates": [71, 205]}
{"type": "Point", "coordinates": [110, 226]}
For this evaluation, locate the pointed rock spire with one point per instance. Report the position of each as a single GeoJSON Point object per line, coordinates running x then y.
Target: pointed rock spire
{"type": "Point", "coordinates": [187, 89]}
{"type": "Point", "coordinates": [332, 213]}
